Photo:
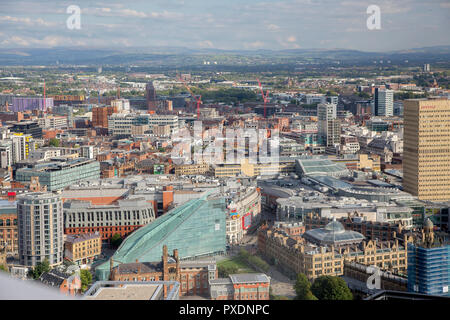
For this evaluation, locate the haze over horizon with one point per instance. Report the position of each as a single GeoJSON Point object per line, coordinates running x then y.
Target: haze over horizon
{"type": "Point", "coordinates": [234, 25]}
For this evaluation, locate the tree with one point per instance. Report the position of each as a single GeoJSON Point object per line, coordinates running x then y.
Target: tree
{"type": "Point", "coordinates": [302, 288]}
{"type": "Point", "coordinates": [86, 279]}
{"type": "Point", "coordinates": [116, 240]}
{"type": "Point", "coordinates": [3, 268]}
{"type": "Point", "coordinates": [40, 268]}
{"type": "Point", "coordinates": [54, 142]}
{"type": "Point", "coordinates": [331, 288]}
{"type": "Point", "coordinates": [225, 271]}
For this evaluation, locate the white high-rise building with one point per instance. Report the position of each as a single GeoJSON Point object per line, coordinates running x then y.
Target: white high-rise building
{"type": "Point", "coordinates": [384, 103]}
{"type": "Point", "coordinates": [40, 228]}
{"type": "Point", "coordinates": [329, 128]}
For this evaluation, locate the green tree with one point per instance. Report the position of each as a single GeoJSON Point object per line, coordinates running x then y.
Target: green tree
{"type": "Point", "coordinates": [331, 288]}
{"type": "Point", "coordinates": [3, 268]}
{"type": "Point", "coordinates": [86, 279]}
{"type": "Point", "coordinates": [116, 240]}
{"type": "Point", "coordinates": [54, 142]}
{"type": "Point", "coordinates": [225, 271]}
{"type": "Point", "coordinates": [40, 268]}
{"type": "Point", "coordinates": [302, 288]}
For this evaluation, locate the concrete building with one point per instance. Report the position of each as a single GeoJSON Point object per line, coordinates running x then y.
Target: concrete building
{"type": "Point", "coordinates": [384, 102]}
{"type": "Point", "coordinates": [52, 122]}
{"type": "Point", "coordinates": [82, 217]}
{"type": "Point", "coordinates": [426, 154]}
{"type": "Point", "coordinates": [57, 175]}
{"type": "Point", "coordinates": [121, 124]}
{"type": "Point", "coordinates": [40, 224]}
{"type": "Point", "coordinates": [329, 127]}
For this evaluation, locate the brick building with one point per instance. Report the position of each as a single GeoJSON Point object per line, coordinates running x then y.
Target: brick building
{"type": "Point", "coordinates": [100, 116]}
{"type": "Point", "coordinates": [245, 286]}
{"type": "Point", "coordinates": [82, 248]}
{"type": "Point", "coordinates": [8, 226]}
{"type": "Point", "coordinates": [193, 276]}
{"type": "Point", "coordinates": [66, 284]}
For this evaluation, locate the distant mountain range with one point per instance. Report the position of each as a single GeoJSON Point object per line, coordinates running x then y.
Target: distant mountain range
{"type": "Point", "coordinates": [176, 56]}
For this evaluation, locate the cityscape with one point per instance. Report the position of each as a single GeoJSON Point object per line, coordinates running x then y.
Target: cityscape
{"type": "Point", "coordinates": [219, 158]}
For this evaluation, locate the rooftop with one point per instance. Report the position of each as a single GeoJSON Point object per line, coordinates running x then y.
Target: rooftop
{"type": "Point", "coordinates": [127, 292]}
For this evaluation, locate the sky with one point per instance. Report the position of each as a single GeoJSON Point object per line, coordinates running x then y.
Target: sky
{"type": "Point", "coordinates": [226, 24]}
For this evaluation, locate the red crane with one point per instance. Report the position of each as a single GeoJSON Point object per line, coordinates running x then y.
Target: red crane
{"type": "Point", "coordinates": [199, 99]}
{"type": "Point", "coordinates": [264, 96]}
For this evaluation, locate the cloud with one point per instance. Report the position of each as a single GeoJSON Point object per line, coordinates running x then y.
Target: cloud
{"type": "Point", "coordinates": [27, 21]}
{"type": "Point", "coordinates": [291, 39]}
{"type": "Point", "coordinates": [48, 41]}
{"type": "Point", "coordinates": [254, 45]}
{"type": "Point", "coordinates": [205, 44]}
{"type": "Point", "coordinates": [132, 13]}
{"type": "Point", "coordinates": [273, 27]}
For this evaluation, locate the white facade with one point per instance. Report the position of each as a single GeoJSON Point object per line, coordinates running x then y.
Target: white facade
{"type": "Point", "coordinates": [385, 103]}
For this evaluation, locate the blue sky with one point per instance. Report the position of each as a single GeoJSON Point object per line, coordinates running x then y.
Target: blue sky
{"type": "Point", "coordinates": [227, 24]}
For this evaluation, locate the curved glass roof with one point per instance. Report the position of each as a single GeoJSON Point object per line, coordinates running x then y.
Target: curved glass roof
{"type": "Point", "coordinates": [334, 233]}
{"type": "Point", "coordinates": [194, 228]}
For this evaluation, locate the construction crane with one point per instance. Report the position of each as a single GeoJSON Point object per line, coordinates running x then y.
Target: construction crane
{"type": "Point", "coordinates": [264, 96]}
{"type": "Point", "coordinates": [199, 99]}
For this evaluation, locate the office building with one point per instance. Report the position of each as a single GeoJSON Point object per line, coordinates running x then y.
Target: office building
{"type": "Point", "coordinates": [384, 102]}
{"type": "Point", "coordinates": [426, 152]}
{"type": "Point", "coordinates": [82, 217]}
{"type": "Point", "coordinates": [123, 124]}
{"type": "Point", "coordinates": [429, 263]}
{"type": "Point", "coordinates": [329, 127]}
{"type": "Point", "coordinates": [28, 127]}
{"type": "Point", "coordinates": [40, 224]}
{"type": "Point", "coordinates": [57, 175]}
{"type": "Point", "coordinates": [52, 122]}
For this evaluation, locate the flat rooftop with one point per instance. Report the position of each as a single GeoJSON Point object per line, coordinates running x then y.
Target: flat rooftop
{"type": "Point", "coordinates": [127, 292]}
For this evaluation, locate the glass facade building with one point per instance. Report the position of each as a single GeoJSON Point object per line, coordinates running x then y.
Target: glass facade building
{"type": "Point", "coordinates": [58, 175]}
{"type": "Point", "coordinates": [429, 270]}
{"type": "Point", "coordinates": [196, 228]}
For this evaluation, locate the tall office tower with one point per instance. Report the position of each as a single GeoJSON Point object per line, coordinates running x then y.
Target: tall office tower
{"type": "Point", "coordinates": [150, 96]}
{"type": "Point", "coordinates": [429, 263]}
{"type": "Point", "coordinates": [426, 67]}
{"type": "Point", "coordinates": [329, 127]}
{"type": "Point", "coordinates": [426, 152]}
{"type": "Point", "coordinates": [384, 102]}
{"type": "Point", "coordinates": [40, 224]}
